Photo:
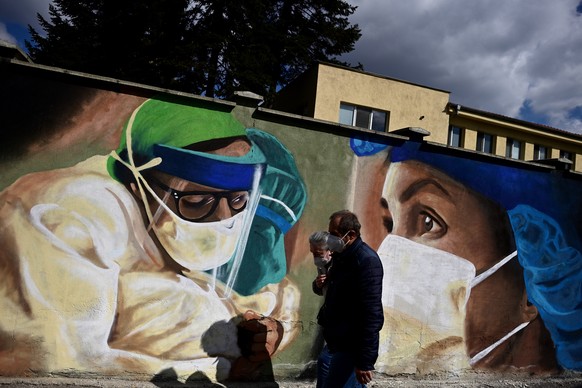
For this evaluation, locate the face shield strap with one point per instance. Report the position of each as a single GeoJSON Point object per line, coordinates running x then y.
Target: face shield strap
{"type": "Point", "coordinates": [222, 172]}
{"type": "Point", "coordinates": [279, 221]}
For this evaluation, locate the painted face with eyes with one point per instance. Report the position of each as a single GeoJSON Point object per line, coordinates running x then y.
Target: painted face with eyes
{"type": "Point", "coordinates": [428, 207]}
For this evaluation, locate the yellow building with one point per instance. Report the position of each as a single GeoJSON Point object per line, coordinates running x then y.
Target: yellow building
{"type": "Point", "coordinates": [504, 136]}
{"type": "Point", "coordinates": [335, 93]}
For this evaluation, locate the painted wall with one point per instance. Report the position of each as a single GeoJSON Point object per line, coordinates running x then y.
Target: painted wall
{"type": "Point", "coordinates": [99, 278]}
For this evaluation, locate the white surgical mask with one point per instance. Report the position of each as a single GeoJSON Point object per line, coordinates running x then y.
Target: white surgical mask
{"type": "Point", "coordinates": [431, 287]}
{"type": "Point", "coordinates": [321, 262]}
{"type": "Point", "coordinates": [194, 245]}
{"type": "Point", "coordinates": [342, 242]}
{"type": "Point", "coordinates": [425, 283]}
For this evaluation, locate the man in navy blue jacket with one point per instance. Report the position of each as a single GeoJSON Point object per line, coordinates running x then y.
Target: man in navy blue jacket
{"type": "Point", "coordinates": [352, 313]}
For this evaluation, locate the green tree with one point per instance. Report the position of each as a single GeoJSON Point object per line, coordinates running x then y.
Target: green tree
{"type": "Point", "coordinates": [261, 45]}
{"type": "Point", "coordinates": [290, 37]}
{"type": "Point", "coordinates": [141, 41]}
{"type": "Point", "coordinates": [210, 47]}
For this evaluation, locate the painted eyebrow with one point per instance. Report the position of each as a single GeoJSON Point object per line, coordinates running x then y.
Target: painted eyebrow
{"type": "Point", "coordinates": [418, 185]}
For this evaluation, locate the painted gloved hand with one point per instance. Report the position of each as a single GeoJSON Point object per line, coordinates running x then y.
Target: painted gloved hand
{"type": "Point", "coordinates": [258, 338]}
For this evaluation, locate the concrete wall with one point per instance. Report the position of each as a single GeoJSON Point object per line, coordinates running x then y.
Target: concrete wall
{"type": "Point", "coordinates": [88, 289]}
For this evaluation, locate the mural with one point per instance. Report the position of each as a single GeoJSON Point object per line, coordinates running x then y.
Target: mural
{"type": "Point", "coordinates": [157, 234]}
{"type": "Point", "coordinates": [482, 264]}
{"type": "Point", "coordinates": [156, 255]}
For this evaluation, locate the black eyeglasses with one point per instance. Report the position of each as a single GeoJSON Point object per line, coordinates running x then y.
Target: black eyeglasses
{"type": "Point", "coordinates": [197, 205]}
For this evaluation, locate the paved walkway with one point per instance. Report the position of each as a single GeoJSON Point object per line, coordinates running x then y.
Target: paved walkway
{"type": "Point", "coordinates": [567, 380]}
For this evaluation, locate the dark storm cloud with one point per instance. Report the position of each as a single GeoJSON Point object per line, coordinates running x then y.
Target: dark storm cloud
{"type": "Point", "coordinates": [491, 55]}
{"type": "Point", "coordinates": [15, 15]}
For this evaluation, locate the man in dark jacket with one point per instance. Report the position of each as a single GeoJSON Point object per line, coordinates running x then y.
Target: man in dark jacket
{"type": "Point", "coordinates": [352, 313]}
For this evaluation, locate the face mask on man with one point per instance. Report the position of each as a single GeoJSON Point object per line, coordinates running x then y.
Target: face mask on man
{"type": "Point", "coordinates": [321, 262]}
{"type": "Point", "coordinates": [432, 287]}
{"type": "Point", "coordinates": [337, 244]}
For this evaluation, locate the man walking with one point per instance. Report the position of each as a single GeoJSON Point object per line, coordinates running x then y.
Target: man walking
{"type": "Point", "coordinates": [352, 313]}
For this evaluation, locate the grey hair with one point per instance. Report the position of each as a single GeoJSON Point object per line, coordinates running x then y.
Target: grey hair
{"type": "Point", "coordinates": [325, 240]}
{"type": "Point", "coordinates": [319, 239]}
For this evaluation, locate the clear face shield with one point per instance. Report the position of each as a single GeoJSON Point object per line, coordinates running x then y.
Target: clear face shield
{"type": "Point", "coordinates": [228, 271]}
{"type": "Point", "coordinates": [215, 247]}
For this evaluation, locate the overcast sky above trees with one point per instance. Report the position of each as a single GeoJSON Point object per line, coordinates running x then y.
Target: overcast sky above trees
{"type": "Point", "coordinates": [519, 58]}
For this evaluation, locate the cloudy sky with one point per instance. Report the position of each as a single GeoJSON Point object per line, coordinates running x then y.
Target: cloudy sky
{"type": "Point", "coordinates": [519, 58]}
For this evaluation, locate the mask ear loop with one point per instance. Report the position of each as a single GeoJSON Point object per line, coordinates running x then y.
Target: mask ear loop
{"type": "Point", "coordinates": [479, 278]}
{"type": "Point", "coordinates": [136, 171]}
{"type": "Point", "coordinates": [479, 356]}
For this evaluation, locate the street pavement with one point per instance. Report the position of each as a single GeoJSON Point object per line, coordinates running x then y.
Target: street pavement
{"type": "Point", "coordinates": [471, 380]}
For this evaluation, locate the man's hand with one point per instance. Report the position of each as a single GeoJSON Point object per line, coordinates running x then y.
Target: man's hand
{"type": "Point", "coordinates": [364, 376]}
{"type": "Point", "coordinates": [320, 280]}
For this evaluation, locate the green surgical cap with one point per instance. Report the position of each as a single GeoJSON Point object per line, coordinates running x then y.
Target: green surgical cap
{"type": "Point", "coordinates": [176, 123]}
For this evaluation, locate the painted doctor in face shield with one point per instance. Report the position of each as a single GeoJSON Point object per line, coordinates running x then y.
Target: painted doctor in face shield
{"type": "Point", "coordinates": [196, 198]}
{"type": "Point", "coordinates": [155, 255]}
{"type": "Point", "coordinates": [468, 283]}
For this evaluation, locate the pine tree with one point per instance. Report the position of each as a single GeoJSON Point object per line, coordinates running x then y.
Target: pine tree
{"type": "Point", "coordinates": [141, 41]}
{"type": "Point", "coordinates": [210, 47]}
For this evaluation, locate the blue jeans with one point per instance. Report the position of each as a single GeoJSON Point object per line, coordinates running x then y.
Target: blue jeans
{"type": "Point", "coordinates": [335, 370]}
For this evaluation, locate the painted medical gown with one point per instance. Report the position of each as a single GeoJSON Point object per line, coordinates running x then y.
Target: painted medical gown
{"type": "Point", "coordinates": [85, 288]}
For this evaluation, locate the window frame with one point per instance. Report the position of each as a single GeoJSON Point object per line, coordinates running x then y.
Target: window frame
{"type": "Point", "coordinates": [511, 142]}
{"type": "Point", "coordinates": [461, 136]}
{"type": "Point", "coordinates": [346, 107]}
{"type": "Point", "coordinates": [566, 155]}
{"type": "Point", "coordinates": [481, 142]}
{"type": "Point", "coordinates": [538, 148]}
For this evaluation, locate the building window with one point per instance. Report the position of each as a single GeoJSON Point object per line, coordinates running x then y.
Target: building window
{"type": "Point", "coordinates": [540, 152]}
{"type": "Point", "coordinates": [379, 121]}
{"type": "Point", "coordinates": [346, 114]}
{"type": "Point", "coordinates": [363, 117]}
{"type": "Point", "coordinates": [513, 149]}
{"type": "Point", "coordinates": [455, 136]}
{"type": "Point", "coordinates": [485, 142]}
{"type": "Point", "coordinates": [566, 155]}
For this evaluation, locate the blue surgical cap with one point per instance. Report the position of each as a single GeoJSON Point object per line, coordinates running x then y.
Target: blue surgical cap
{"type": "Point", "coordinates": [553, 279]}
